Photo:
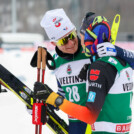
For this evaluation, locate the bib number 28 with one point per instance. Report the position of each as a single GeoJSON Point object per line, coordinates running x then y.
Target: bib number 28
{"type": "Point", "coordinates": [73, 93]}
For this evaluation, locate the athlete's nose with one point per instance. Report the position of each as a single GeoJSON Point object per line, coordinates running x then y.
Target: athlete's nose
{"type": "Point", "coordinates": [70, 42]}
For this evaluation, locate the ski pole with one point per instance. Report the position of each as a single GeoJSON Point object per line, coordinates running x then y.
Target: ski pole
{"type": "Point", "coordinates": [44, 53]}
{"type": "Point", "coordinates": [38, 79]}
{"type": "Point", "coordinates": [39, 58]}
{"type": "Point", "coordinates": [43, 56]}
{"type": "Point", "coordinates": [39, 109]}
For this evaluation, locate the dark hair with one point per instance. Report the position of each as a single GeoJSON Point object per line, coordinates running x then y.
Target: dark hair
{"type": "Point", "coordinates": [88, 18]}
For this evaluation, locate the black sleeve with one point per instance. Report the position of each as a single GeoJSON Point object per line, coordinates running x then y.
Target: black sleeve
{"type": "Point", "coordinates": [101, 77]}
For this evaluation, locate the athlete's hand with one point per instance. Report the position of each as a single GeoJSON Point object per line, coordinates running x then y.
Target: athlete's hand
{"type": "Point", "coordinates": [41, 91]}
{"type": "Point", "coordinates": [33, 62]}
{"type": "Point", "coordinates": [83, 73]}
{"type": "Point", "coordinates": [106, 49]}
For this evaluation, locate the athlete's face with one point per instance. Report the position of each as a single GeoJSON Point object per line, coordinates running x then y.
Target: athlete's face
{"type": "Point", "coordinates": [71, 45]}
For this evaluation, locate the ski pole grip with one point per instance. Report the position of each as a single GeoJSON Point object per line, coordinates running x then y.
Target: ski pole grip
{"type": "Point", "coordinates": [44, 55]}
{"type": "Point", "coordinates": [39, 57]}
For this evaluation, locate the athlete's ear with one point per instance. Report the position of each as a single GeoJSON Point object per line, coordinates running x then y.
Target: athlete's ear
{"type": "Point", "coordinates": [82, 39]}
{"type": "Point", "coordinates": [53, 43]}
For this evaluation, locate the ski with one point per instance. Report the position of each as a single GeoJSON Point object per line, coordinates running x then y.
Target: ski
{"type": "Point", "coordinates": [25, 94]}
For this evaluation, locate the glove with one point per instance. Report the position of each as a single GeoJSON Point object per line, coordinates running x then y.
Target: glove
{"type": "Point", "coordinates": [33, 62]}
{"type": "Point", "coordinates": [106, 49]}
{"type": "Point", "coordinates": [83, 72]}
{"type": "Point", "coordinates": [43, 92]}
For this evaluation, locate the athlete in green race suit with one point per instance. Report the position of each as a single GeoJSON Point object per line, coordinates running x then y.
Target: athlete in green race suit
{"type": "Point", "coordinates": [69, 61]}
{"type": "Point", "coordinates": [70, 85]}
{"type": "Point", "coordinates": [115, 115]}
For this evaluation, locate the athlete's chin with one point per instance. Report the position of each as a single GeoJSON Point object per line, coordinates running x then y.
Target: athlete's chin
{"type": "Point", "coordinates": [71, 51]}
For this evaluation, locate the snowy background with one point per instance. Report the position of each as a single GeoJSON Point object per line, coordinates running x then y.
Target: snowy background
{"type": "Point", "coordinates": [14, 118]}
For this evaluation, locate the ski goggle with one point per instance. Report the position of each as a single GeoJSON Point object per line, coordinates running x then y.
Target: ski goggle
{"type": "Point", "coordinates": [64, 40]}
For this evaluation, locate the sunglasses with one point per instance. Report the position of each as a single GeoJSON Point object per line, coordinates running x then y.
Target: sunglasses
{"type": "Point", "coordinates": [64, 40]}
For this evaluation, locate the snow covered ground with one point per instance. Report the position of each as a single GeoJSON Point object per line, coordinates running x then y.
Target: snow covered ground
{"type": "Point", "coordinates": [14, 118]}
